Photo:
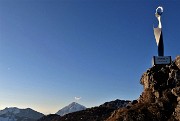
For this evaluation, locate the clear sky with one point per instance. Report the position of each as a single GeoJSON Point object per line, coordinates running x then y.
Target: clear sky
{"type": "Point", "coordinates": [54, 50]}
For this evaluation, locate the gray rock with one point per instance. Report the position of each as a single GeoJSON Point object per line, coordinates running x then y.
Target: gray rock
{"type": "Point", "coordinates": [177, 61]}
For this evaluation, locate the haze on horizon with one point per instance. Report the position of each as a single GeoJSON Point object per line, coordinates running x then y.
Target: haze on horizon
{"type": "Point", "coordinates": [52, 51]}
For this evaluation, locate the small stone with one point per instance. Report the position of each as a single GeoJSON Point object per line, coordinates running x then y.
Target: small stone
{"type": "Point", "coordinates": [156, 94]}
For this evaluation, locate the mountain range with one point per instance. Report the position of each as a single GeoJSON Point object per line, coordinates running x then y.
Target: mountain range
{"type": "Point", "coordinates": [159, 101]}
{"type": "Point", "coordinates": [98, 113]}
{"type": "Point", "coordinates": [28, 114]}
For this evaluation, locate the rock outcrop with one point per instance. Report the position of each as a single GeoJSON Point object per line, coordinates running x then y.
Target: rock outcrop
{"type": "Point", "coordinates": [160, 100]}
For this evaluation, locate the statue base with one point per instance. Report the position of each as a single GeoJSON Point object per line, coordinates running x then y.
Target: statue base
{"type": "Point", "coordinates": [161, 60]}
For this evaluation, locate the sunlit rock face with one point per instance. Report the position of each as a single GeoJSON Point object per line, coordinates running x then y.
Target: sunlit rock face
{"type": "Point", "coordinates": [177, 61]}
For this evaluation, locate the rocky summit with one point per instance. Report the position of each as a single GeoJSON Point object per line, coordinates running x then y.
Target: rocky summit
{"type": "Point", "coordinates": [159, 101]}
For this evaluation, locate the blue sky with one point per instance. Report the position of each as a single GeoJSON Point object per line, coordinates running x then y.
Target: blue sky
{"type": "Point", "coordinates": [54, 50]}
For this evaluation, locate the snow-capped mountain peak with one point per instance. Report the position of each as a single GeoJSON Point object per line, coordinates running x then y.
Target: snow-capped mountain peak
{"type": "Point", "coordinates": [73, 107]}
{"type": "Point", "coordinates": [16, 114]}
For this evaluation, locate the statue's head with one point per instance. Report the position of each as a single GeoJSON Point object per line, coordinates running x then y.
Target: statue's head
{"type": "Point", "coordinates": [159, 11]}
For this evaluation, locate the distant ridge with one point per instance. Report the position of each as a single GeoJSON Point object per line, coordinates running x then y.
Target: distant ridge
{"type": "Point", "coordinates": [16, 114]}
{"type": "Point", "coordinates": [99, 113]}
